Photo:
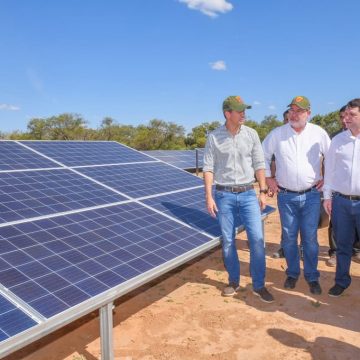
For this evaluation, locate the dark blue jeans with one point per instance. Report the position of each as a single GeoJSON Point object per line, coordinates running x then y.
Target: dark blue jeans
{"type": "Point", "coordinates": [300, 212]}
{"type": "Point", "coordinates": [345, 217]}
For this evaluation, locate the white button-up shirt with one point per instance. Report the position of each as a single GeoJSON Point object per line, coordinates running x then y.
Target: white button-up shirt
{"type": "Point", "coordinates": [342, 165]}
{"type": "Point", "coordinates": [298, 156]}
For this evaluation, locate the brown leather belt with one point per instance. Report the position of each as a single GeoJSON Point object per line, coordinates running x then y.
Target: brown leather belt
{"type": "Point", "coordinates": [235, 188]}
{"type": "Point", "coordinates": [350, 197]}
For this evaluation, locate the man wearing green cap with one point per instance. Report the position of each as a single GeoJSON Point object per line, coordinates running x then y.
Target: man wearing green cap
{"type": "Point", "coordinates": [233, 155]}
{"type": "Point", "coordinates": [299, 148]}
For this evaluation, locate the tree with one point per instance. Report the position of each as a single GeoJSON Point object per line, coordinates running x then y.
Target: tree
{"type": "Point", "coordinates": [269, 123]}
{"type": "Point", "coordinates": [329, 122]}
{"type": "Point", "coordinates": [198, 135]}
{"type": "Point", "coordinates": [159, 134]}
{"type": "Point", "coordinates": [108, 128]}
{"type": "Point", "coordinates": [39, 129]}
{"type": "Point", "coordinates": [67, 126]}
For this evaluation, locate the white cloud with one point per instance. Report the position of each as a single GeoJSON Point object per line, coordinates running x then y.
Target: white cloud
{"type": "Point", "coordinates": [257, 102]}
{"type": "Point", "coordinates": [9, 107]}
{"type": "Point", "coordinates": [218, 65]}
{"type": "Point", "coordinates": [272, 107]}
{"type": "Point", "coordinates": [209, 7]}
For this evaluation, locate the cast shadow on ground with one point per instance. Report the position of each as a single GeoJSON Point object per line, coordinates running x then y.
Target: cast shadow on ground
{"type": "Point", "coordinates": [300, 303]}
{"type": "Point", "coordinates": [323, 348]}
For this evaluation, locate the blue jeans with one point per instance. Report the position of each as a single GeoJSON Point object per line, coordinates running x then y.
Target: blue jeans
{"type": "Point", "coordinates": [345, 217]}
{"type": "Point", "coordinates": [300, 212]}
{"type": "Point", "coordinates": [243, 206]}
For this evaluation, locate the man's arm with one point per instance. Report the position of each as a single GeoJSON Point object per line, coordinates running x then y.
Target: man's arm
{"type": "Point", "coordinates": [328, 178]}
{"type": "Point", "coordinates": [210, 203]}
{"type": "Point", "coordinates": [260, 176]}
{"type": "Point", "coordinates": [270, 165]}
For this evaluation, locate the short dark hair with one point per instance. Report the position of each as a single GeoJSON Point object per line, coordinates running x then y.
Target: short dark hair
{"type": "Point", "coordinates": [343, 108]}
{"type": "Point", "coordinates": [354, 103]}
{"type": "Point", "coordinates": [285, 113]}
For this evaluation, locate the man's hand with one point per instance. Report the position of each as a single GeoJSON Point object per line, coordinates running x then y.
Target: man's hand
{"type": "Point", "coordinates": [272, 186]}
{"type": "Point", "coordinates": [211, 206]}
{"type": "Point", "coordinates": [328, 206]}
{"type": "Point", "coordinates": [262, 201]}
{"type": "Point", "coordinates": [319, 184]}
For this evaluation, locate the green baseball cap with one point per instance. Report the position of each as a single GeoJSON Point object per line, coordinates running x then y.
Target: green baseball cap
{"type": "Point", "coordinates": [234, 103]}
{"type": "Point", "coordinates": [301, 101]}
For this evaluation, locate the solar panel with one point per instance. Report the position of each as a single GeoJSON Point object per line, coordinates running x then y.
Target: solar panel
{"type": "Point", "coordinates": [12, 320]}
{"type": "Point", "coordinates": [187, 206]}
{"type": "Point", "coordinates": [182, 159]}
{"type": "Point", "coordinates": [36, 193]}
{"type": "Point", "coordinates": [102, 221]}
{"type": "Point", "coordinates": [80, 153]}
{"type": "Point", "coordinates": [57, 263]}
{"type": "Point", "coordinates": [14, 157]}
{"type": "Point", "coordinates": [138, 180]}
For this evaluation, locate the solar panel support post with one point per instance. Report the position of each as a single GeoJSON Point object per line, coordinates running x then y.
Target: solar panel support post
{"type": "Point", "coordinates": [197, 162]}
{"type": "Point", "coordinates": [106, 332]}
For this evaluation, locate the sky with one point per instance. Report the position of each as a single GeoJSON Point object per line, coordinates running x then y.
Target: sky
{"type": "Point", "coordinates": [175, 60]}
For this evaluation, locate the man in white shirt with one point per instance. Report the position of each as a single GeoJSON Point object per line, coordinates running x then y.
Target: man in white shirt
{"type": "Point", "coordinates": [298, 148]}
{"type": "Point", "coordinates": [342, 193]}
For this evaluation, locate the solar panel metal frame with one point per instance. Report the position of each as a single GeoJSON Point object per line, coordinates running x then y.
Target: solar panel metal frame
{"type": "Point", "coordinates": [175, 158]}
{"type": "Point", "coordinates": [102, 300]}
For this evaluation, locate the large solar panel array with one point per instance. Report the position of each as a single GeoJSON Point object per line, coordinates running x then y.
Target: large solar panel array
{"type": "Point", "coordinates": [182, 159]}
{"type": "Point", "coordinates": [81, 222]}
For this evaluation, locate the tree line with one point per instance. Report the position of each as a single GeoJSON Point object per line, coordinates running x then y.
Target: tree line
{"type": "Point", "coordinates": [156, 134]}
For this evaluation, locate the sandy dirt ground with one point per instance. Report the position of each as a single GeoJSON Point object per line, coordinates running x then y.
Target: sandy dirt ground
{"type": "Point", "coordinates": [183, 316]}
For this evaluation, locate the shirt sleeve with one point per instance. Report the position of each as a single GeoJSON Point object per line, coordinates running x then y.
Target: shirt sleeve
{"type": "Point", "coordinates": [257, 153]}
{"type": "Point", "coordinates": [329, 170]}
{"type": "Point", "coordinates": [326, 144]}
{"type": "Point", "coordinates": [209, 155]}
{"type": "Point", "coordinates": [268, 148]}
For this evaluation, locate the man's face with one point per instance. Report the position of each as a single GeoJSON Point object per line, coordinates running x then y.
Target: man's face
{"type": "Point", "coordinates": [298, 117]}
{"type": "Point", "coordinates": [342, 116]}
{"type": "Point", "coordinates": [352, 118]}
{"type": "Point", "coordinates": [236, 118]}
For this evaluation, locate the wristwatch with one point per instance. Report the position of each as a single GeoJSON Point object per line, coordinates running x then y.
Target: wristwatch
{"type": "Point", "coordinates": [264, 191]}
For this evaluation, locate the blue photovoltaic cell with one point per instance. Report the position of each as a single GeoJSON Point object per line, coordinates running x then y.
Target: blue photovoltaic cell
{"type": "Point", "coordinates": [189, 207]}
{"type": "Point", "coordinates": [182, 159]}
{"type": "Point", "coordinates": [56, 263]}
{"type": "Point", "coordinates": [28, 194]}
{"type": "Point", "coordinates": [79, 153]}
{"type": "Point", "coordinates": [12, 320]}
{"type": "Point", "coordinates": [13, 156]}
{"type": "Point", "coordinates": [138, 180]}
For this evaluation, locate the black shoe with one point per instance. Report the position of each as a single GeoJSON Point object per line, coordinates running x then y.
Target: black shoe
{"type": "Point", "coordinates": [336, 291]}
{"type": "Point", "coordinates": [264, 295]}
{"type": "Point", "coordinates": [290, 283]}
{"type": "Point", "coordinates": [315, 287]}
{"type": "Point", "coordinates": [278, 254]}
